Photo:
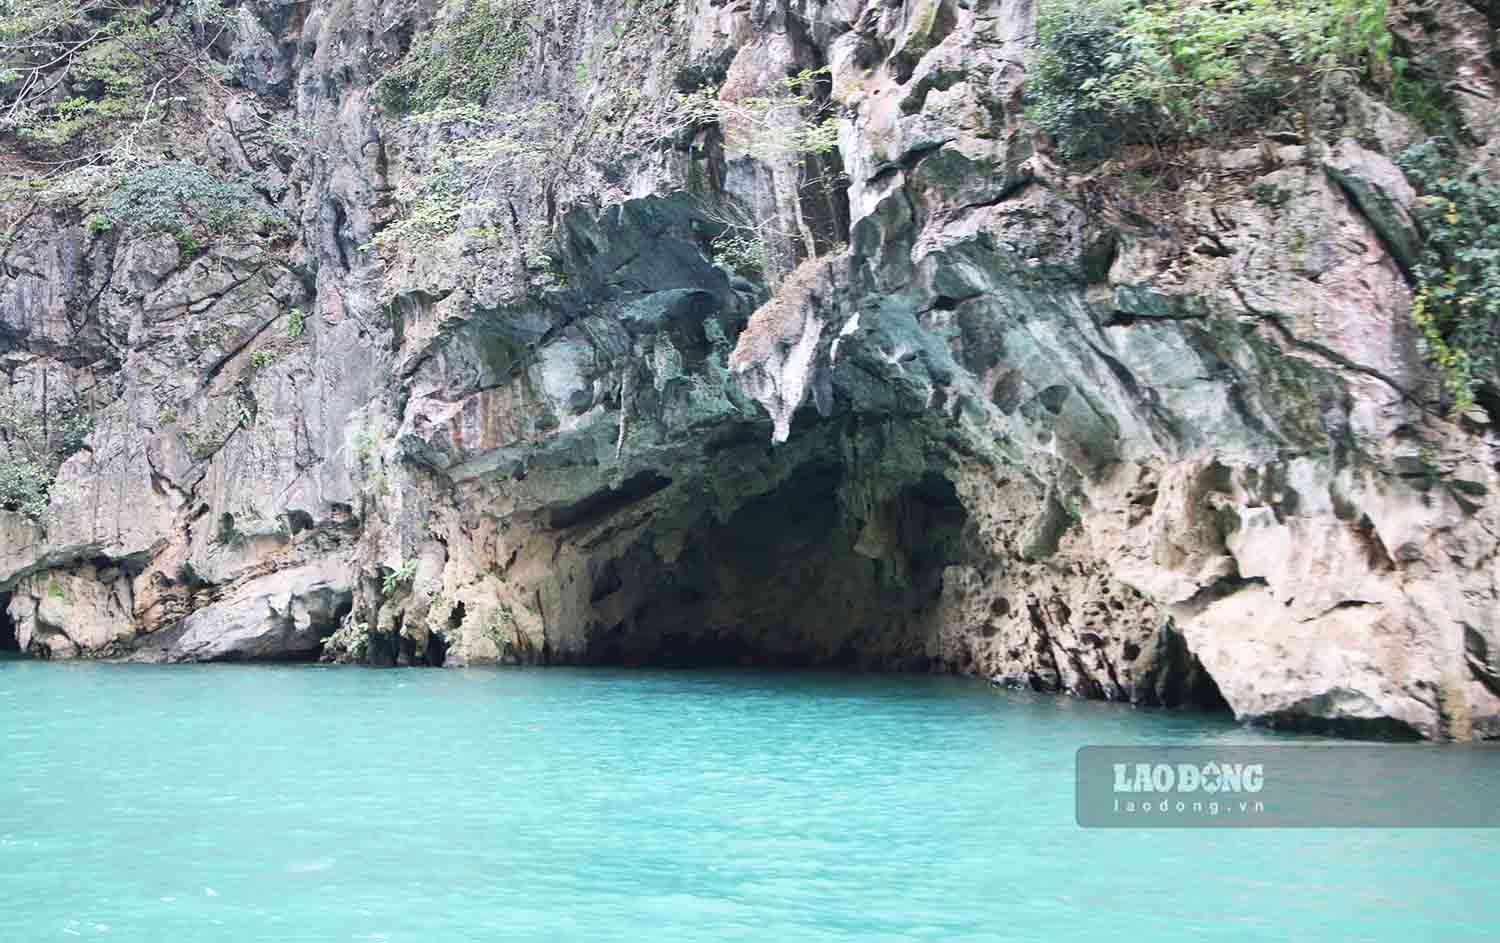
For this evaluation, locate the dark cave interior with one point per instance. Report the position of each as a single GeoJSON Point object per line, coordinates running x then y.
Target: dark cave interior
{"type": "Point", "coordinates": [8, 641]}
{"type": "Point", "coordinates": [804, 576]}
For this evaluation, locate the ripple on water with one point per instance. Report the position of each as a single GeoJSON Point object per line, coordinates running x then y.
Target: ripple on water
{"type": "Point", "coordinates": [228, 803]}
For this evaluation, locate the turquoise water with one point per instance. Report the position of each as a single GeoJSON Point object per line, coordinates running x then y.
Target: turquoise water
{"type": "Point", "coordinates": [184, 804]}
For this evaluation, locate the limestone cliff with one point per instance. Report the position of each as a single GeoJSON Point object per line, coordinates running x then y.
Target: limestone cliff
{"type": "Point", "coordinates": [483, 382]}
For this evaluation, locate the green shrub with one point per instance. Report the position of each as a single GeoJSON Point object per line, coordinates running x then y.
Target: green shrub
{"type": "Point", "coordinates": [1081, 50]}
{"type": "Point", "coordinates": [296, 324]}
{"type": "Point", "coordinates": [261, 359]}
{"type": "Point", "coordinates": [181, 199]}
{"type": "Point", "coordinates": [741, 252]}
{"type": "Point", "coordinates": [794, 122]}
{"type": "Point", "coordinates": [178, 197]}
{"type": "Point", "coordinates": [24, 486]}
{"type": "Point", "coordinates": [789, 129]}
{"type": "Point", "coordinates": [1457, 305]}
{"type": "Point", "coordinates": [33, 445]}
{"type": "Point", "coordinates": [1106, 73]}
{"type": "Point", "coordinates": [480, 43]}
{"type": "Point", "coordinates": [351, 640]}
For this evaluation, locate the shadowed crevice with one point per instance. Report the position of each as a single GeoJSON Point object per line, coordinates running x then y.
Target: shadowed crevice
{"type": "Point", "coordinates": [8, 640]}
{"type": "Point", "coordinates": [608, 500]}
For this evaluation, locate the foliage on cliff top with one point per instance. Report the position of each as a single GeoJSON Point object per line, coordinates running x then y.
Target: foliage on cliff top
{"type": "Point", "coordinates": [80, 73]}
{"type": "Point", "coordinates": [1457, 305]}
{"type": "Point", "coordinates": [1107, 73]}
{"type": "Point", "coordinates": [459, 61]}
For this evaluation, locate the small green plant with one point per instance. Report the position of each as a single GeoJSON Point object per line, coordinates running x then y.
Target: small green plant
{"type": "Point", "coordinates": [351, 641]}
{"type": "Point", "coordinates": [367, 445]}
{"type": "Point", "coordinates": [401, 576]}
{"type": "Point", "coordinates": [261, 359]}
{"type": "Point", "coordinates": [289, 135]}
{"type": "Point", "coordinates": [1457, 304]}
{"type": "Point", "coordinates": [1269, 195]}
{"type": "Point", "coordinates": [221, 420]}
{"type": "Point", "coordinates": [185, 201]}
{"type": "Point", "coordinates": [501, 628]}
{"type": "Point", "coordinates": [793, 122]}
{"type": "Point", "coordinates": [178, 197]}
{"type": "Point", "coordinates": [431, 209]}
{"type": "Point", "coordinates": [296, 323]}
{"type": "Point", "coordinates": [741, 252]}
{"type": "Point", "coordinates": [75, 72]}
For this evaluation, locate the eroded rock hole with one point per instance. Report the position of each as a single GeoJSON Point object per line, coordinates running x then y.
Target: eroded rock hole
{"type": "Point", "coordinates": [8, 640]}
{"type": "Point", "coordinates": [827, 570]}
{"type": "Point", "coordinates": [437, 650]}
{"type": "Point", "coordinates": [1174, 677]}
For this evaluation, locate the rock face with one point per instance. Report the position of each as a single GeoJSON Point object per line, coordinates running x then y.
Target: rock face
{"type": "Point", "coordinates": [1005, 421]}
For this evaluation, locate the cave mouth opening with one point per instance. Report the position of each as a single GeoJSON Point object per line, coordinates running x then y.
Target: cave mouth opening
{"type": "Point", "coordinates": [9, 643]}
{"type": "Point", "coordinates": [829, 570]}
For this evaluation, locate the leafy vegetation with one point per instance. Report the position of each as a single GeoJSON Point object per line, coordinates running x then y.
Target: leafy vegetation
{"type": "Point", "coordinates": [501, 628]}
{"type": "Point", "coordinates": [740, 250]}
{"type": "Point", "coordinates": [401, 576]}
{"type": "Point", "coordinates": [33, 445]}
{"type": "Point", "coordinates": [1457, 305]}
{"type": "Point", "coordinates": [482, 148]}
{"type": "Point", "coordinates": [84, 72]}
{"type": "Point", "coordinates": [786, 130]}
{"type": "Point", "coordinates": [181, 199]}
{"type": "Point", "coordinates": [480, 43]}
{"type": "Point", "coordinates": [85, 86]}
{"type": "Point", "coordinates": [351, 640]}
{"type": "Point", "coordinates": [367, 444]}
{"type": "Point", "coordinates": [1108, 73]}
{"type": "Point", "coordinates": [787, 125]}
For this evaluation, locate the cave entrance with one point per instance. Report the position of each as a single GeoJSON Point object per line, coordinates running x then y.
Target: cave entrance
{"type": "Point", "coordinates": [823, 571]}
{"type": "Point", "coordinates": [9, 644]}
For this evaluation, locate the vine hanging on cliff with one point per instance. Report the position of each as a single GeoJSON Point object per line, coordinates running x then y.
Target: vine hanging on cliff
{"type": "Point", "coordinates": [1457, 305]}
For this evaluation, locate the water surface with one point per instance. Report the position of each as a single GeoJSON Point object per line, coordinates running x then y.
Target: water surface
{"type": "Point", "coordinates": [230, 803]}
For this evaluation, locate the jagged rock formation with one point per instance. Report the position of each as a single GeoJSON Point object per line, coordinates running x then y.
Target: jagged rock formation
{"type": "Point", "coordinates": [1009, 421]}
